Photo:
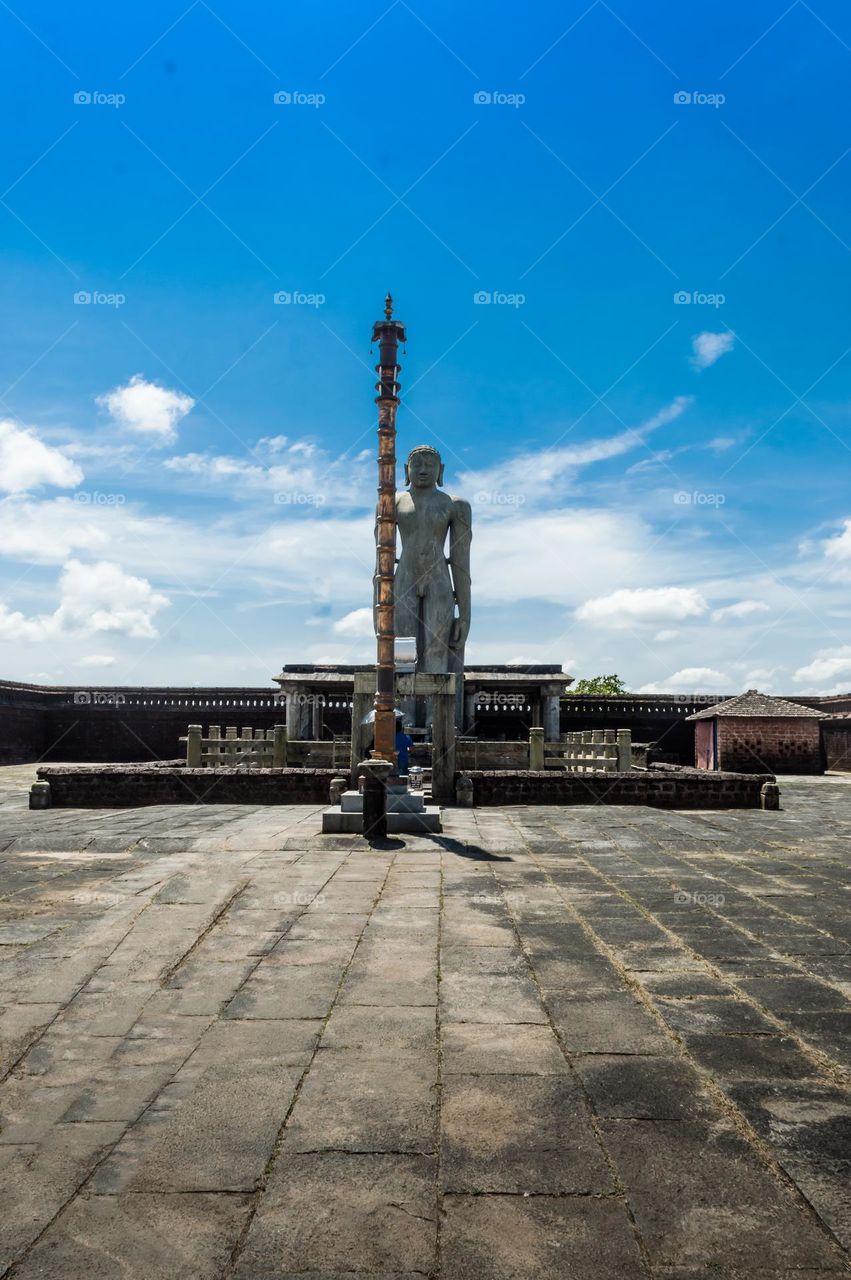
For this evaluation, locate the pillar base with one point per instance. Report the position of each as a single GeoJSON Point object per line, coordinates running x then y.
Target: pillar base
{"type": "Point", "coordinates": [376, 775]}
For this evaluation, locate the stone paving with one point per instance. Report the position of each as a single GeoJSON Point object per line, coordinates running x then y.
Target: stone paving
{"type": "Point", "coordinates": [586, 1043]}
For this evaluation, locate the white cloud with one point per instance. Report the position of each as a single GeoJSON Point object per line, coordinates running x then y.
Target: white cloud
{"type": "Point", "coordinates": [837, 551]}
{"type": "Point", "coordinates": [98, 660]}
{"type": "Point", "coordinates": [301, 478]}
{"type": "Point", "coordinates": [145, 407]}
{"type": "Point", "coordinates": [26, 462]}
{"type": "Point", "coordinates": [828, 664]}
{"type": "Point", "coordinates": [358, 623]}
{"type": "Point", "coordinates": [742, 609]}
{"type": "Point", "coordinates": [721, 443]}
{"type": "Point", "coordinates": [94, 598]}
{"type": "Point", "coordinates": [669, 633]}
{"type": "Point", "coordinates": [709, 347]}
{"type": "Point", "coordinates": [652, 605]}
{"type": "Point", "coordinates": [543, 472]}
{"type": "Point", "coordinates": [689, 680]}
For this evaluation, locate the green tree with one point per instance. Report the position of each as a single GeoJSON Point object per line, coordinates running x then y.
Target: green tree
{"type": "Point", "coordinates": [600, 684]}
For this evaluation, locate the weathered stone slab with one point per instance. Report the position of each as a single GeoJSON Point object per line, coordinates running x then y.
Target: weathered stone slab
{"type": "Point", "coordinates": [489, 998]}
{"type": "Point", "coordinates": [478, 1048]}
{"type": "Point", "coordinates": [644, 1088]}
{"type": "Point", "coordinates": [497, 1237]}
{"type": "Point", "coordinates": [605, 1022]}
{"type": "Point", "coordinates": [384, 1032]}
{"type": "Point", "coordinates": [221, 1137]}
{"type": "Point", "coordinates": [139, 1237]}
{"type": "Point", "coordinates": [354, 1214]}
{"type": "Point", "coordinates": [288, 991]}
{"type": "Point", "coordinates": [37, 1181]}
{"type": "Point", "coordinates": [519, 1134]}
{"type": "Point", "coordinates": [352, 1103]}
{"type": "Point", "coordinates": [701, 1199]}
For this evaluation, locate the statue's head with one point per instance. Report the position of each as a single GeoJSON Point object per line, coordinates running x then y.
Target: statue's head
{"type": "Point", "coordinates": [424, 468]}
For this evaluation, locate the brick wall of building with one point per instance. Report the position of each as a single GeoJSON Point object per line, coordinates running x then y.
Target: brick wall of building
{"type": "Point", "coordinates": [775, 745]}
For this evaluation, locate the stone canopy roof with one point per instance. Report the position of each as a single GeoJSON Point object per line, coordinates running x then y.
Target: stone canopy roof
{"type": "Point", "coordinates": [754, 704]}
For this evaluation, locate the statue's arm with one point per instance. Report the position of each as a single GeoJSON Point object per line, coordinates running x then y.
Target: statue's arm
{"type": "Point", "coordinates": [460, 537]}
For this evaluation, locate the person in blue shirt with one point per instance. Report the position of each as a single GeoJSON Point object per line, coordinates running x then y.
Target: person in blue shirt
{"type": "Point", "coordinates": [404, 742]}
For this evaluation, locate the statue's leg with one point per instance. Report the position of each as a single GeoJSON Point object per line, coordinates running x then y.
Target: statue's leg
{"type": "Point", "coordinates": [438, 614]}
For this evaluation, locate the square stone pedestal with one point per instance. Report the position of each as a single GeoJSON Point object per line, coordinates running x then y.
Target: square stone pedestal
{"type": "Point", "coordinates": [407, 814]}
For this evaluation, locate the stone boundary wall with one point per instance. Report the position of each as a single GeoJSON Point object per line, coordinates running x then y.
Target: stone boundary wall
{"type": "Point", "coordinates": [136, 723]}
{"type": "Point", "coordinates": [128, 786]}
{"type": "Point", "coordinates": [661, 788]}
{"type": "Point", "coordinates": [482, 753]}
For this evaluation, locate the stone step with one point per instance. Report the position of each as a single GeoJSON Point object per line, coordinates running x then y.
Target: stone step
{"type": "Point", "coordinates": [397, 802]}
{"type": "Point", "coordinates": [338, 821]}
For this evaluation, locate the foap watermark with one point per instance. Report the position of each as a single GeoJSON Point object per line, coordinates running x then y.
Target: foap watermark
{"type": "Point", "coordinates": [96, 298]}
{"type": "Point", "coordinates": [684, 899]}
{"type": "Point", "coordinates": [296, 498]}
{"type": "Point", "coordinates": [94, 98]}
{"type": "Point", "coordinates": [682, 98]}
{"type": "Point", "coordinates": [485, 499]}
{"type": "Point", "coordinates": [496, 298]}
{"type": "Point", "coordinates": [295, 98]}
{"type": "Point", "coordinates": [295, 298]}
{"type": "Point", "coordinates": [490, 698]}
{"type": "Point", "coordinates": [94, 498]}
{"type": "Point", "coordinates": [496, 98]}
{"type": "Point", "coordinates": [91, 697]}
{"type": "Point", "coordinates": [95, 897]}
{"type": "Point", "coordinates": [696, 298]}
{"type": "Point", "coordinates": [511, 897]}
{"type": "Point", "coordinates": [298, 898]}
{"type": "Point", "coordinates": [695, 498]}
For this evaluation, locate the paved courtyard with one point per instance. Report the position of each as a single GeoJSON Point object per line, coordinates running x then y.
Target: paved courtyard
{"type": "Point", "coordinates": [605, 1043]}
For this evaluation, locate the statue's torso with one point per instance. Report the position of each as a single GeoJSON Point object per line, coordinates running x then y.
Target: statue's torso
{"type": "Point", "coordinates": [423, 519]}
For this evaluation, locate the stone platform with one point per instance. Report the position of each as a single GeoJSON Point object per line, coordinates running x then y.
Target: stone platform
{"type": "Point", "coordinates": [562, 1044]}
{"type": "Point", "coordinates": [407, 814]}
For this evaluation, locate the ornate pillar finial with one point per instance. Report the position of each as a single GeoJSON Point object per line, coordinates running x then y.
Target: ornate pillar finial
{"type": "Point", "coordinates": [388, 307]}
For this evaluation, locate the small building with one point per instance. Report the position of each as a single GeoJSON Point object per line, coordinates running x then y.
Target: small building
{"type": "Point", "coordinates": [499, 701]}
{"type": "Point", "coordinates": [756, 733]}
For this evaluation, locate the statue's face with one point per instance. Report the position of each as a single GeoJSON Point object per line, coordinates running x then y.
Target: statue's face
{"type": "Point", "coordinates": [423, 470]}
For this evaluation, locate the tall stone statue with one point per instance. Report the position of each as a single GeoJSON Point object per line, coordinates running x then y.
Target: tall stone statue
{"type": "Point", "coordinates": [432, 591]}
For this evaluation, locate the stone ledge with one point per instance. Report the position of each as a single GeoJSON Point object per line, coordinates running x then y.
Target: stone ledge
{"type": "Point", "coordinates": [118, 786]}
{"type": "Point", "coordinates": [660, 787]}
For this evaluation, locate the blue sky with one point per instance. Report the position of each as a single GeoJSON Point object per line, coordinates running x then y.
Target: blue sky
{"type": "Point", "coordinates": [660, 487]}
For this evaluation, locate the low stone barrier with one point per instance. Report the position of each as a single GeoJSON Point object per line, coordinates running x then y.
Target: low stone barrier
{"type": "Point", "coordinates": [120, 786]}
{"type": "Point", "coordinates": [662, 789]}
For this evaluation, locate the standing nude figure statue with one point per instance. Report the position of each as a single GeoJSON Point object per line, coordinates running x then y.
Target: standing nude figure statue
{"type": "Point", "coordinates": [429, 586]}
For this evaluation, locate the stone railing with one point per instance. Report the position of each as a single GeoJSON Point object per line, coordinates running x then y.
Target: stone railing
{"type": "Point", "coordinates": [248, 748]}
{"type": "Point", "coordinates": [586, 751]}
{"type": "Point", "coordinates": [262, 749]}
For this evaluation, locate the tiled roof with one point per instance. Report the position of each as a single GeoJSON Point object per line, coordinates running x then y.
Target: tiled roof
{"type": "Point", "coordinates": [759, 705]}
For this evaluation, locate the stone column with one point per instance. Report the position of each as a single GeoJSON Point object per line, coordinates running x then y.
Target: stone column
{"type": "Point", "coordinates": [298, 713]}
{"type": "Point", "coordinates": [552, 713]}
{"type": "Point", "coordinates": [362, 701]}
{"type": "Point", "coordinates": [470, 696]}
{"type": "Point", "coordinates": [443, 739]}
{"type": "Point", "coordinates": [536, 749]}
